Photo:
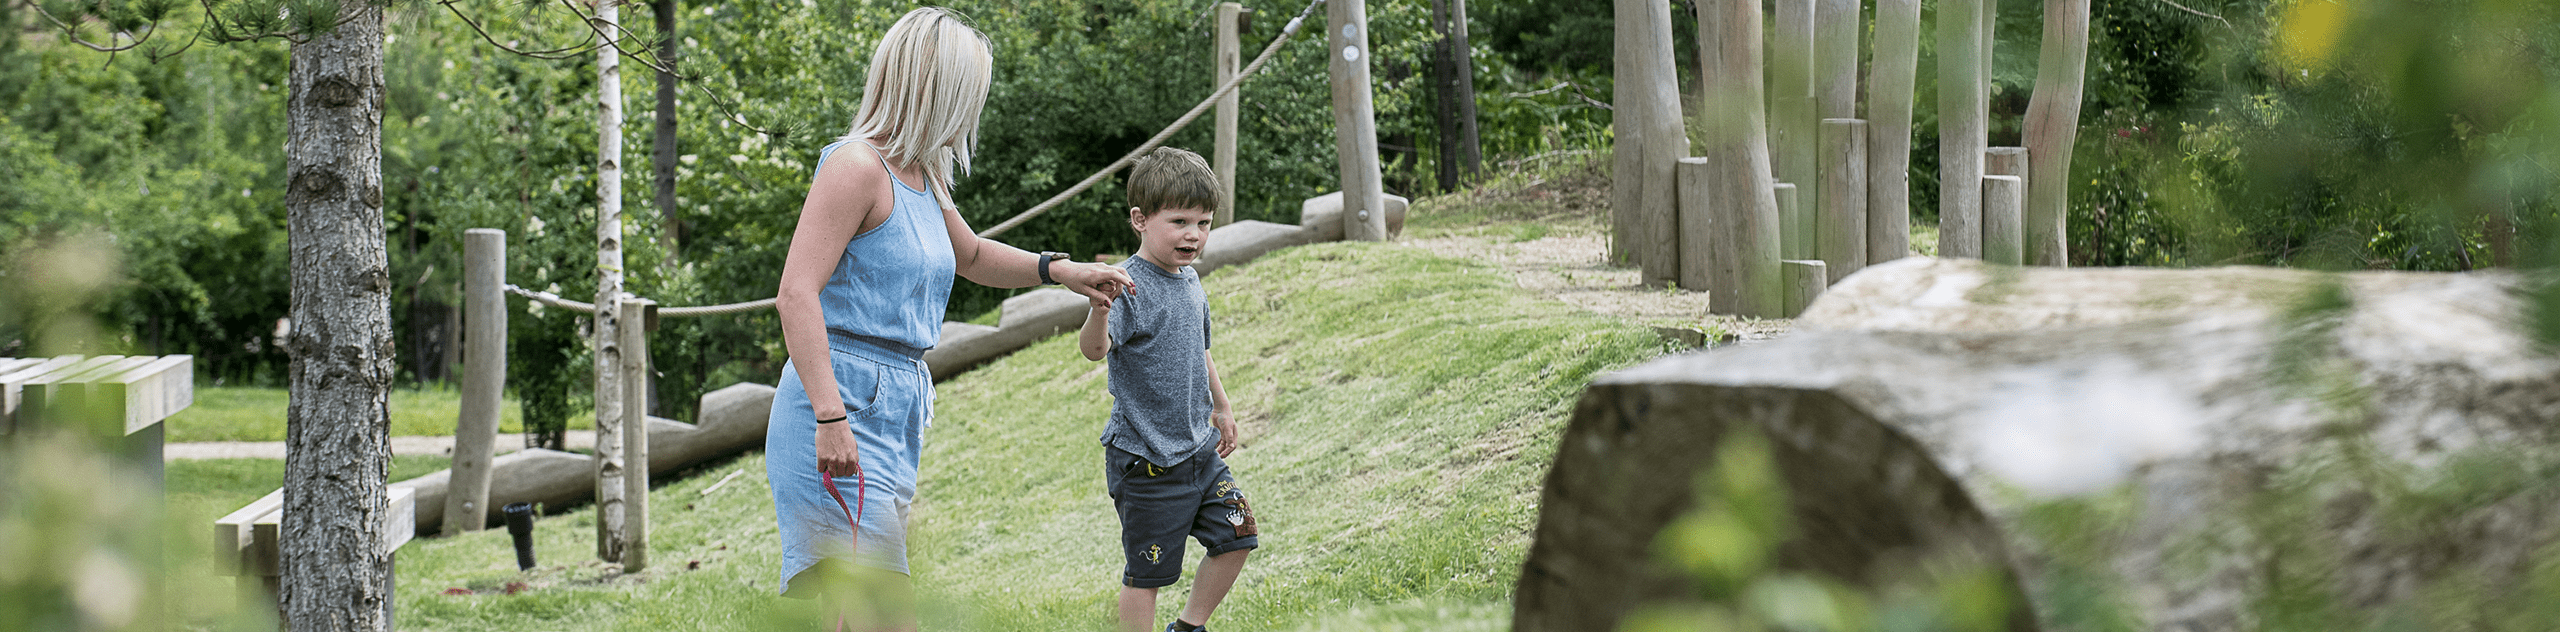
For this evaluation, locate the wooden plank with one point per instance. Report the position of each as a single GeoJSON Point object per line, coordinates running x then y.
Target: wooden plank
{"type": "Point", "coordinates": [2003, 202]}
{"type": "Point", "coordinates": [1227, 50]}
{"type": "Point", "coordinates": [24, 369]}
{"type": "Point", "coordinates": [233, 535]}
{"type": "Point", "coordinates": [399, 517]}
{"type": "Point", "coordinates": [68, 398]}
{"type": "Point", "coordinates": [146, 394]}
{"type": "Point", "coordinates": [35, 394]}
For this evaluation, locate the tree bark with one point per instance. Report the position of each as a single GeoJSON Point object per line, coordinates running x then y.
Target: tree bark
{"type": "Point", "coordinates": [335, 573]}
{"type": "Point", "coordinates": [664, 148]}
{"type": "Point", "coordinates": [608, 320]}
{"type": "Point", "coordinates": [1460, 154]}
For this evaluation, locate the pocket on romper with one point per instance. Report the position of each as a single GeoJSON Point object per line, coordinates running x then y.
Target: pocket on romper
{"type": "Point", "coordinates": [1242, 517]}
{"type": "Point", "coordinates": [858, 384]}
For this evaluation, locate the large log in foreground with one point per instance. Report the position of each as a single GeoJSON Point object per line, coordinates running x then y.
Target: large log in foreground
{"type": "Point", "coordinates": [1924, 406]}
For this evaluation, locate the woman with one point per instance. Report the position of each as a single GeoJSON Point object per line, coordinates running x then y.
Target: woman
{"type": "Point", "coordinates": [862, 297]}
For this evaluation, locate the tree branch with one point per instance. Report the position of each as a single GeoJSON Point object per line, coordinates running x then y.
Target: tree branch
{"type": "Point", "coordinates": [568, 52]}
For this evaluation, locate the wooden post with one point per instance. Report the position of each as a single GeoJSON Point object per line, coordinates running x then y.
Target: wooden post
{"type": "Point", "coordinates": [1743, 233]}
{"type": "Point", "coordinates": [2002, 236]}
{"type": "Point", "coordinates": [1962, 124]}
{"type": "Point", "coordinates": [1889, 90]}
{"type": "Point", "coordinates": [1795, 221]}
{"type": "Point", "coordinates": [1698, 226]}
{"type": "Point", "coordinates": [2003, 199]}
{"type": "Point", "coordinates": [1806, 280]}
{"type": "Point", "coordinates": [1835, 62]}
{"type": "Point", "coordinates": [1792, 119]}
{"type": "Point", "coordinates": [484, 379]}
{"type": "Point", "coordinates": [607, 342]}
{"type": "Point", "coordinates": [1227, 54]}
{"type": "Point", "coordinates": [1843, 238]}
{"type": "Point", "coordinates": [1651, 139]}
{"type": "Point", "coordinates": [2053, 124]}
{"type": "Point", "coordinates": [635, 433]}
{"type": "Point", "coordinates": [1355, 128]}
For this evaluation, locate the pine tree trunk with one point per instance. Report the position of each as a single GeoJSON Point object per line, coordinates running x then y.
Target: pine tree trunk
{"type": "Point", "coordinates": [608, 321]}
{"type": "Point", "coordinates": [336, 575]}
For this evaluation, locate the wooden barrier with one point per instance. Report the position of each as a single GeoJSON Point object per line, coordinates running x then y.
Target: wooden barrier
{"type": "Point", "coordinates": [1842, 240]}
{"type": "Point", "coordinates": [120, 396]}
{"type": "Point", "coordinates": [1962, 123]}
{"type": "Point", "coordinates": [1355, 127]}
{"type": "Point", "coordinates": [1806, 281]}
{"type": "Point", "coordinates": [1651, 139]}
{"type": "Point", "coordinates": [1889, 88]}
{"type": "Point", "coordinates": [2053, 124]}
{"type": "Point", "coordinates": [2003, 202]}
{"type": "Point", "coordinates": [245, 544]}
{"type": "Point", "coordinates": [484, 378]}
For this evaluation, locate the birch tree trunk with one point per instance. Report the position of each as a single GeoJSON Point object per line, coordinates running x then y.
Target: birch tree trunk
{"type": "Point", "coordinates": [336, 577]}
{"type": "Point", "coordinates": [608, 320]}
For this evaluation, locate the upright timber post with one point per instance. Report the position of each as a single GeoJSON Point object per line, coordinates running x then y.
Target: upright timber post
{"type": "Point", "coordinates": [1651, 140]}
{"type": "Point", "coordinates": [1889, 90]}
{"type": "Point", "coordinates": [1835, 62]}
{"type": "Point", "coordinates": [1962, 126]}
{"type": "Point", "coordinates": [484, 378]}
{"type": "Point", "coordinates": [1791, 115]}
{"type": "Point", "coordinates": [635, 433]}
{"type": "Point", "coordinates": [1355, 129]}
{"type": "Point", "coordinates": [1843, 238]}
{"type": "Point", "coordinates": [608, 355]}
{"type": "Point", "coordinates": [1744, 239]}
{"type": "Point", "coordinates": [2053, 124]}
{"type": "Point", "coordinates": [2002, 200]}
{"type": "Point", "coordinates": [1228, 50]}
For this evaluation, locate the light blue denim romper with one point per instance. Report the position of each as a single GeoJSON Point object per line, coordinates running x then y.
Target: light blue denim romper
{"type": "Point", "coordinates": [883, 308]}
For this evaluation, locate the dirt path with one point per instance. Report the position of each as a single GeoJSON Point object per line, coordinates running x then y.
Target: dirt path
{"type": "Point", "coordinates": [1573, 268]}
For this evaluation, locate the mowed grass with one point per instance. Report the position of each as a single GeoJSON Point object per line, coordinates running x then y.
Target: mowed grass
{"type": "Point", "coordinates": [200, 491]}
{"type": "Point", "coordinates": [1399, 412]}
{"type": "Point", "coordinates": [223, 413]}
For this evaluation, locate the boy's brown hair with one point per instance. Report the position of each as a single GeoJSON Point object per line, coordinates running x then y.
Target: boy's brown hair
{"type": "Point", "coordinates": [1172, 178]}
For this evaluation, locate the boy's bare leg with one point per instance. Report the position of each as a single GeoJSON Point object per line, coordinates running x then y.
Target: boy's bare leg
{"type": "Point", "coordinates": [1217, 574]}
{"type": "Point", "coordinates": [1137, 609]}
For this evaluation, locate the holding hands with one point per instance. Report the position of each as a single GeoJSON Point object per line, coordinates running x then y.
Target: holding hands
{"type": "Point", "coordinates": [1100, 283]}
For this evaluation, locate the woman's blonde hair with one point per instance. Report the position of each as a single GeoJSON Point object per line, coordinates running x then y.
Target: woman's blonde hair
{"type": "Point", "coordinates": [928, 81]}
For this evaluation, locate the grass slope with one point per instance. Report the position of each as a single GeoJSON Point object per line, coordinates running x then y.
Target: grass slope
{"type": "Point", "coordinates": [228, 413]}
{"type": "Point", "coordinates": [1399, 413]}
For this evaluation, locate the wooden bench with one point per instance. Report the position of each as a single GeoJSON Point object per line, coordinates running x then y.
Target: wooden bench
{"type": "Point", "coordinates": [245, 543]}
{"type": "Point", "coordinates": [131, 393]}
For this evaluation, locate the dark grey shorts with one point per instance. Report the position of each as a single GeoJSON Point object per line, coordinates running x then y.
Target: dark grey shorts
{"type": "Point", "coordinates": [1159, 505]}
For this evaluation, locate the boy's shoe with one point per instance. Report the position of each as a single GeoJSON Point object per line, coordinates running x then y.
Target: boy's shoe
{"type": "Point", "coordinates": [1176, 626]}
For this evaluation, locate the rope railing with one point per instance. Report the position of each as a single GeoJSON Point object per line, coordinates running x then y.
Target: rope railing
{"type": "Point", "coordinates": [1286, 32]}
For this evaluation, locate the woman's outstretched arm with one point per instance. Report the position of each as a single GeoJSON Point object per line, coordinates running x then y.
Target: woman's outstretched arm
{"type": "Point", "coordinates": [992, 263]}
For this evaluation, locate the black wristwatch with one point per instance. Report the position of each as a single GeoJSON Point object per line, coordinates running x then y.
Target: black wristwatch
{"type": "Point", "coordinates": [1045, 258]}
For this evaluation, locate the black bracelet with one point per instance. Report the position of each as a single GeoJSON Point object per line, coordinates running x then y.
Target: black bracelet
{"type": "Point", "coordinates": [829, 421]}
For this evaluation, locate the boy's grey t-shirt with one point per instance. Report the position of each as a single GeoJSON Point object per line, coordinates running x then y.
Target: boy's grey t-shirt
{"type": "Point", "coordinates": [1159, 366]}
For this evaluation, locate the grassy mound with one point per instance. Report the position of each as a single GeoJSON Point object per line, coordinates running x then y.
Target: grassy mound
{"type": "Point", "coordinates": [1399, 412]}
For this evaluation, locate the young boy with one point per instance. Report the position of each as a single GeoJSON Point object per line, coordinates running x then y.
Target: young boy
{"type": "Point", "coordinates": [1170, 426]}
